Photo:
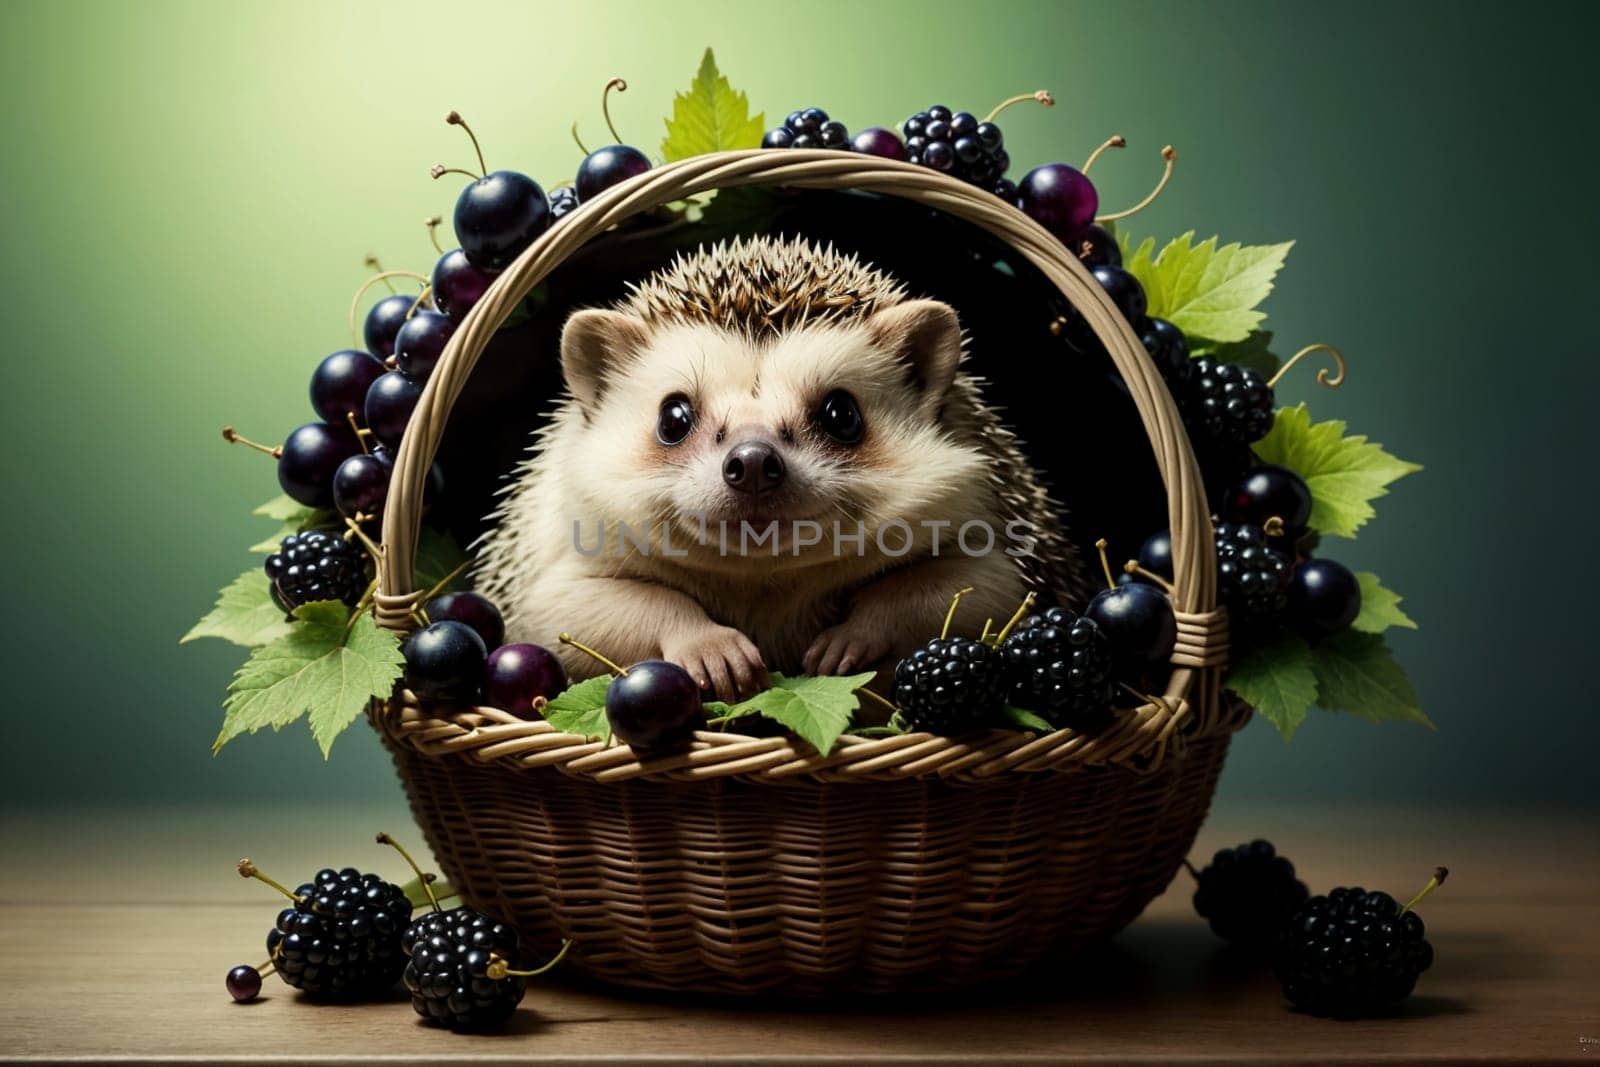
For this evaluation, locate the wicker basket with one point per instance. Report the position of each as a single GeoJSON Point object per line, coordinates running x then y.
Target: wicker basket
{"type": "Point", "coordinates": [753, 863]}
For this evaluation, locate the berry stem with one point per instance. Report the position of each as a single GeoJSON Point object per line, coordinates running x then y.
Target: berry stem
{"type": "Point", "coordinates": [876, 698]}
{"type": "Point", "coordinates": [605, 104]}
{"type": "Point", "coordinates": [427, 883]}
{"type": "Point", "coordinates": [439, 170]}
{"type": "Point", "coordinates": [1016, 617]}
{"type": "Point", "coordinates": [455, 119]}
{"type": "Point", "coordinates": [499, 968]}
{"type": "Point", "coordinates": [1323, 378]}
{"type": "Point", "coordinates": [1273, 527]}
{"type": "Point", "coordinates": [578, 140]}
{"type": "Point", "coordinates": [375, 551]}
{"type": "Point", "coordinates": [266, 970]}
{"type": "Point", "coordinates": [1439, 875]}
{"type": "Point", "coordinates": [234, 437]}
{"type": "Point", "coordinates": [432, 223]}
{"type": "Point", "coordinates": [372, 261]}
{"type": "Point", "coordinates": [439, 587]}
{"type": "Point", "coordinates": [566, 639]}
{"type": "Point", "coordinates": [361, 432]}
{"type": "Point", "coordinates": [427, 291]}
{"type": "Point", "coordinates": [247, 869]}
{"type": "Point", "coordinates": [1132, 567]}
{"type": "Point", "coordinates": [1116, 140]}
{"type": "Point", "coordinates": [1105, 563]}
{"type": "Point", "coordinates": [1171, 156]}
{"type": "Point", "coordinates": [983, 636]}
{"type": "Point", "coordinates": [1041, 95]}
{"type": "Point", "coordinates": [355, 301]}
{"type": "Point", "coordinates": [950, 615]}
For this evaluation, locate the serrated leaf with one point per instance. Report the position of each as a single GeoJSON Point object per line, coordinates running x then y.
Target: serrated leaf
{"type": "Point", "coordinates": [582, 709]}
{"type": "Point", "coordinates": [282, 507]}
{"type": "Point", "coordinates": [1026, 720]}
{"type": "Point", "coordinates": [711, 117]}
{"type": "Point", "coordinates": [1380, 607]}
{"type": "Point", "coordinates": [438, 554]}
{"type": "Point", "coordinates": [1206, 290]}
{"type": "Point", "coordinates": [1253, 352]}
{"type": "Point", "coordinates": [1278, 680]}
{"type": "Point", "coordinates": [244, 614]}
{"type": "Point", "coordinates": [324, 667]}
{"type": "Point", "coordinates": [1345, 474]}
{"type": "Point", "coordinates": [818, 710]}
{"type": "Point", "coordinates": [1357, 674]}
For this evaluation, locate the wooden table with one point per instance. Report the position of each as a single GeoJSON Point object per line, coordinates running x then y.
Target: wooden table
{"type": "Point", "coordinates": [116, 930]}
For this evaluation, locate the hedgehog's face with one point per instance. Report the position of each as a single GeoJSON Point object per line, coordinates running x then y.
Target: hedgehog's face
{"type": "Point", "coordinates": [698, 427]}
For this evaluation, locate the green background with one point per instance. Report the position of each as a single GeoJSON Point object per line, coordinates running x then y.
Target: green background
{"type": "Point", "coordinates": [191, 189]}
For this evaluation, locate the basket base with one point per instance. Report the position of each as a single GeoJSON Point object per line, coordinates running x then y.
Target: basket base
{"type": "Point", "coordinates": [805, 888]}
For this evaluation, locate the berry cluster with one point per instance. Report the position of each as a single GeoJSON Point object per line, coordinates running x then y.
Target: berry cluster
{"type": "Point", "coordinates": [1056, 664]}
{"type": "Point", "coordinates": [1264, 573]}
{"type": "Point", "coordinates": [340, 936]}
{"type": "Point", "coordinates": [1353, 953]}
{"type": "Point", "coordinates": [350, 935]}
{"type": "Point", "coordinates": [449, 660]}
{"type": "Point", "coordinates": [1347, 954]}
{"type": "Point", "coordinates": [808, 128]}
{"type": "Point", "coordinates": [314, 566]}
{"type": "Point", "coordinates": [960, 144]}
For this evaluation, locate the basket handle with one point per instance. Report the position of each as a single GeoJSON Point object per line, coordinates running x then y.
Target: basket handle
{"type": "Point", "coordinates": [1194, 569]}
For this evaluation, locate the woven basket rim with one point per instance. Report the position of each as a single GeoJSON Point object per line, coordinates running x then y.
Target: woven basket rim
{"type": "Point", "coordinates": [1138, 738]}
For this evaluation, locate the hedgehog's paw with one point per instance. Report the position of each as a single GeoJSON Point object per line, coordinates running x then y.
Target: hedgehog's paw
{"type": "Point", "coordinates": [851, 646]}
{"type": "Point", "coordinates": [720, 659]}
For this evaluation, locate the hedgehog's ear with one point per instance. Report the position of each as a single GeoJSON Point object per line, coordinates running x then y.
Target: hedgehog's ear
{"type": "Point", "coordinates": [593, 343]}
{"type": "Point", "coordinates": [926, 336]}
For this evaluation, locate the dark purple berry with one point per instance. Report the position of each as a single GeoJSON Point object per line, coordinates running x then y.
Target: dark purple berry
{"type": "Point", "coordinates": [1169, 351]}
{"type": "Point", "coordinates": [609, 166]}
{"type": "Point", "coordinates": [473, 609]}
{"type": "Point", "coordinates": [938, 155]}
{"type": "Point", "coordinates": [390, 402]}
{"type": "Point", "coordinates": [244, 983]}
{"type": "Point", "coordinates": [1324, 598]}
{"type": "Point", "coordinates": [1124, 290]}
{"type": "Point", "coordinates": [519, 674]}
{"type": "Point", "coordinates": [951, 685]}
{"type": "Point", "coordinates": [310, 456]}
{"type": "Point", "coordinates": [458, 285]}
{"type": "Point", "coordinates": [1269, 492]}
{"type": "Point", "coordinates": [384, 321]}
{"type": "Point", "coordinates": [499, 215]}
{"type": "Point", "coordinates": [655, 706]}
{"type": "Point", "coordinates": [360, 486]}
{"type": "Point", "coordinates": [445, 661]}
{"type": "Point", "coordinates": [315, 565]}
{"type": "Point", "coordinates": [1137, 619]}
{"type": "Point", "coordinates": [1249, 894]}
{"type": "Point", "coordinates": [877, 141]}
{"type": "Point", "coordinates": [1059, 198]}
{"type": "Point", "coordinates": [339, 385]}
{"type": "Point", "coordinates": [420, 343]}
{"type": "Point", "coordinates": [563, 201]}
{"type": "Point", "coordinates": [1097, 246]}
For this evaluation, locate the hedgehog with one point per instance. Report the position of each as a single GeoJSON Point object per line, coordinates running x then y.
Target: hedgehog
{"type": "Point", "coordinates": [768, 458]}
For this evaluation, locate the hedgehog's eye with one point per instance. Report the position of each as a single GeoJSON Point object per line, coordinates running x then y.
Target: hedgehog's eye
{"type": "Point", "coordinates": [839, 417]}
{"type": "Point", "coordinates": [675, 421]}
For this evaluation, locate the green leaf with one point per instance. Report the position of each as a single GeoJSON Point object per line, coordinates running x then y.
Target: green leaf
{"type": "Point", "coordinates": [710, 117]}
{"type": "Point", "coordinates": [244, 614]}
{"type": "Point", "coordinates": [1278, 680]}
{"type": "Point", "coordinates": [1345, 474]}
{"type": "Point", "coordinates": [1205, 290]}
{"type": "Point", "coordinates": [1357, 674]}
{"type": "Point", "coordinates": [1380, 607]}
{"type": "Point", "coordinates": [323, 667]}
{"type": "Point", "coordinates": [816, 709]}
{"type": "Point", "coordinates": [582, 709]}
{"type": "Point", "coordinates": [437, 555]}
{"type": "Point", "coordinates": [1253, 352]}
{"type": "Point", "coordinates": [1026, 720]}
{"type": "Point", "coordinates": [282, 507]}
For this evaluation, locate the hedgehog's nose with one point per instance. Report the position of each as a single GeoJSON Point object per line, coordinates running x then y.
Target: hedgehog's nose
{"type": "Point", "coordinates": [753, 467]}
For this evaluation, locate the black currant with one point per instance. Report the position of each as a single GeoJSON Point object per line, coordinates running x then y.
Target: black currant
{"type": "Point", "coordinates": [499, 215]}
{"type": "Point", "coordinates": [1059, 198]}
{"type": "Point", "coordinates": [1324, 598]}
{"type": "Point", "coordinates": [608, 166]}
{"type": "Point", "coordinates": [445, 661]}
{"type": "Point", "coordinates": [420, 343]}
{"type": "Point", "coordinates": [1267, 493]}
{"type": "Point", "coordinates": [518, 675]}
{"type": "Point", "coordinates": [390, 402]}
{"type": "Point", "coordinates": [458, 285]}
{"type": "Point", "coordinates": [473, 609]}
{"type": "Point", "coordinates": [384, 321]}
{"type": "Point", "coordinates": [309, 457]}
{"type": "Point", "coordinates": [339, 385]}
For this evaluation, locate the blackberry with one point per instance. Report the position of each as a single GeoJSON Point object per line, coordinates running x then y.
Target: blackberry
{"type": "Point", "coordinates": [341, 936]}
{"type": "Point", "coordinates": [1252, 577]}
{"type": "Point", "coordinates": [950, 685]}
{"type": "Point", "coordinates": [563, 201]}
{"type": "Point", "coordinates": [1227, 403]}
{"type": "Point", "coordinates": [1059, 665]}
{"type": "Point", "coordinates": [808, 128]}
{"type": "Point", "coordinates": [1352, 952]}
{"type": "Point", "coordinates": [961, 145]}
{"type": "Point", "coordinates": [315, 565]}
{"type": "Point", "coordinates": [460, 974]}
{"type": "Point", "coordinates": [1248, 894]}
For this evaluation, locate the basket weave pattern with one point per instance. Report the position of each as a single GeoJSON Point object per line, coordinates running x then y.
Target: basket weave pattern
{"type": "Point", "coordinates": [749, 863]}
